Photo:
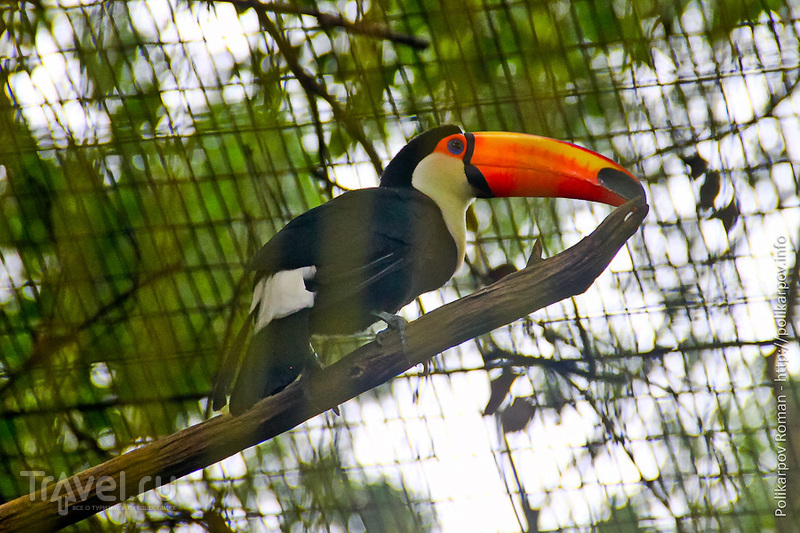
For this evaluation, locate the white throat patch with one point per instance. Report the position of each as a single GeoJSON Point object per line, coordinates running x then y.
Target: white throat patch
{"type": "Point", "coordinates": [442, 179]}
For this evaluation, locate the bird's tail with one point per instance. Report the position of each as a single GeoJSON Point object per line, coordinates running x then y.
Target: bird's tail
{"type": "Point", "coordinates": [227, 370]}
{"type": "Point", "coordinates": [276, 355]}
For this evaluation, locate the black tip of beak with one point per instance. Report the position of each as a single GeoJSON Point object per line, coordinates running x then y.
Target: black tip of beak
{"type": "Point", "coordinates": [620, 183]}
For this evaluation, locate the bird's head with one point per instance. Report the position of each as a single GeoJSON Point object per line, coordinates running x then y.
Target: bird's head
{"type": "Point", "coordinates": [446, 163]}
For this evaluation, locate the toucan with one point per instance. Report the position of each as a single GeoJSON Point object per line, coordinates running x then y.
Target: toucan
{"type": "Point", "coordinates": [365, 254]}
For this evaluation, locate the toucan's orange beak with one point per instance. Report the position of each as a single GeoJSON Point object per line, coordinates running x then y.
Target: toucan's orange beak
{"type": "Point", "coordinates": [517, 164]}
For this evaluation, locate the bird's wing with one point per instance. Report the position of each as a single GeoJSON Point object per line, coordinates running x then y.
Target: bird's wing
{"type": "Point", "coordinates": [361, 233]}
{"type": "Point", "coordinates": [355, 241]}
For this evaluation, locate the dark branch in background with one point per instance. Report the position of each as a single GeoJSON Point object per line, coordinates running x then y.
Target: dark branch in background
{"type": "Point", "coordinates": [309, 83]}
{"type": "Point", "coordinates": [560, 366]}
{"type": "Point", "coordinates": [322, 149]}
{"type": "Point", "coordinates": [731, 129]}
{"type": "Point", "coordinates": [656, 486]}
{"type": "Point", "coordinates": [315, 88]}
{"type": "Point", "coordinates": [545, 282]}
{"type": "Point", "coordinates": [531, 515]}
{"type": "Point", "coordinates": [336, 20]}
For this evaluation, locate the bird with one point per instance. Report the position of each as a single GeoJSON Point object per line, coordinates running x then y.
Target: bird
{"type": "Point", "coordinates": [363, 255]}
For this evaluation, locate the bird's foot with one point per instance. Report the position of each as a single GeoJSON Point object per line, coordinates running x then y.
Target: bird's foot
{"type": "Point", "coordinates": [312, 368]}
{"type": "Point", "coordinates": [396, 323]}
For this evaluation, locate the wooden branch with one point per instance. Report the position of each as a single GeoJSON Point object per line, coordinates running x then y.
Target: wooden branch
{"type": "Point", "coordinates": [336, 20]}
{"type": "Point", "coordinates": [515, 296]}
{"type": "Point", "coordinates": [316, 88]}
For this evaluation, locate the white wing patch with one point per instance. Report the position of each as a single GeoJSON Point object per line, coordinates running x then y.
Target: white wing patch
{"type": "Point", "coordinates": [282, 294]}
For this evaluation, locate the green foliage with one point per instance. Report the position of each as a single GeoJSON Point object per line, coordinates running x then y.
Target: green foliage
{"type": "Point", "coordinates": [330, 499]}
{"type": "Point", "coordinates": [622, 520]}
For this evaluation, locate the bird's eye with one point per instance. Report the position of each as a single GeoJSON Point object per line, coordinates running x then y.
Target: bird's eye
{"type": "Point", "coordinates": [456, 146]}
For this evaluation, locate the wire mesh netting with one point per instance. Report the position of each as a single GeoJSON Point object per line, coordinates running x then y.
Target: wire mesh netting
{"type": "Point", "coordinates": [149, 148]}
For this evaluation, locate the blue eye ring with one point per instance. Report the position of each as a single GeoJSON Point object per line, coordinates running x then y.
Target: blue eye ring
{"type": "Point", "coordinates": [455, 146]}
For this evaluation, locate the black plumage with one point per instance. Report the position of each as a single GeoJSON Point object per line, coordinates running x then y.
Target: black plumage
{"type": "Point", "coordinates": [374, 250]}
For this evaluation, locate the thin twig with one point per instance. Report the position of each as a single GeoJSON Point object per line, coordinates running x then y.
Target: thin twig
{"type": "Point", "coordinates": [336, 20]}
{"type": "Point", "coordinates": [315, 88]}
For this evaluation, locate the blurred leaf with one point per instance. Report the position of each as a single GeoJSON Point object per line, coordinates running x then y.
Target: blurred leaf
{"type": "Point", "coordinates": [518, 415]}
{"type": "Point", "coordinates": [697, 165]}
{"type": "Point", "coordinates": [499, 387]}
{"type": "Point", "coordinates": [499, 272]}
{"type": "Point", "coordinates": [729, 215]}
{"type": "Point", "coordinates": [622, 520]}
{"type": "Point", "coordinates": [709, 190]}
{"type": "Point", "coordinates": [728, 14]}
